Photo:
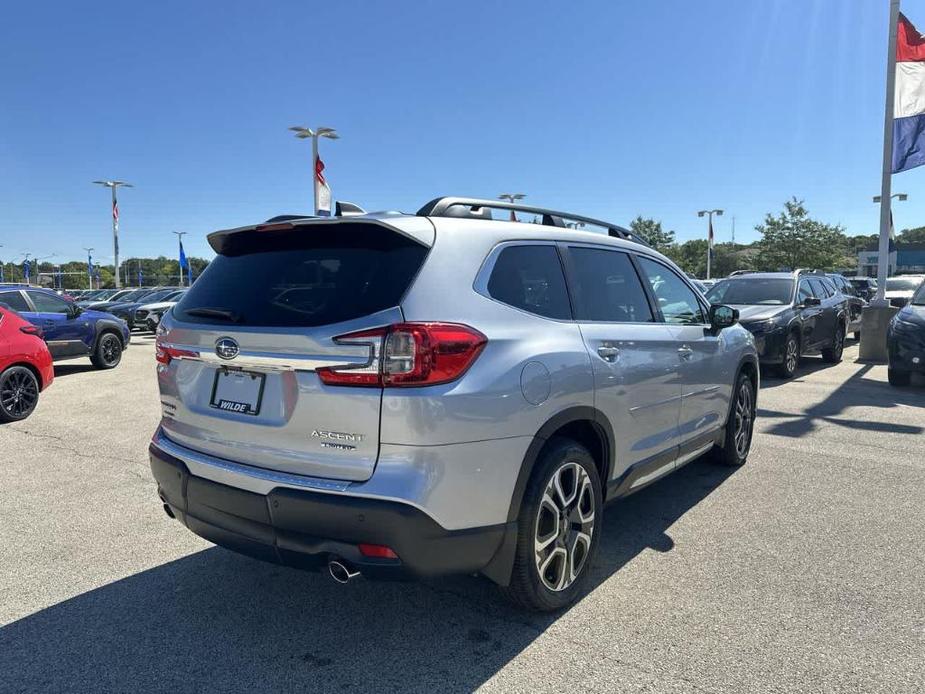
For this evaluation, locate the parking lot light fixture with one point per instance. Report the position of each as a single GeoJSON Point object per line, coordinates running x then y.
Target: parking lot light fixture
{"type": "Point", "coordinates": [112, 185]}
{"type": "Point", "coordinates": [303, 133]}
{"type": "Point", "coordinates": [709, 213]}
{"type": "Point", "coordinates": [512, 198]}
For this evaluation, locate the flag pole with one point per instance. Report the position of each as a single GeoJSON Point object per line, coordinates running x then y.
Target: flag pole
{"type": "Point", "coordinates": [883, 255]}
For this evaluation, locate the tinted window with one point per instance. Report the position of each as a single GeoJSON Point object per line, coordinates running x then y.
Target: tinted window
{"type": "Point", "coordinates": [607, 287]}
{"type": "Point", "coordinates": [677, 301]}
{"type": "Point", "coordinates": [48, 303]}
{"type": "Point", "coordinates": [820, 289]}
{"type": "Point", "coordinates": [14, 300]}
{"type": "Point", "coordinates": [805, 291]}
{"type": "Point", "coordinates": [752, 291]}
{"type": "Point", "coordinates": [530, 278]}
{"type": "Point", "coordinates": [304, 277]}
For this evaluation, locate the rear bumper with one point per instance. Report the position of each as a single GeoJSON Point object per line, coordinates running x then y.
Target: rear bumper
{"type": "Point", "coordinates": [305, 529]}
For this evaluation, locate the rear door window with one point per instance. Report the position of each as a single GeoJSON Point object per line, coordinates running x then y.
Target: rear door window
{"type": "Point", "coordinates": [14, 300]}
{"type": "Point", "coordinates": [308, 276]}
{"type": "Point", "coordinates": [48, 303]}
{"type": "Point", "coordinates": [607, 287]}
{"type": "Point", "coordinates": [529, 277]}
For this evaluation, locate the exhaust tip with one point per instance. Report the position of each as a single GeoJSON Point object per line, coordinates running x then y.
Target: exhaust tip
{"type": "Point", "coordinates": [341, 572]}
{"type": "Point", "coordinates": [169, 511]}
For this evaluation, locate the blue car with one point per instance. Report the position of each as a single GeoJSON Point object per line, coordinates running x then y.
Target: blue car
{"type": "Point", "coordinates": [905, 340]}
{"type": "Point", "coordinates": [70, 331]}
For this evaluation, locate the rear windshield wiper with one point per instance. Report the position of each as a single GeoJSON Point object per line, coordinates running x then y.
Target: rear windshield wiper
{"type": "Point", "coordinates": [208, 312]}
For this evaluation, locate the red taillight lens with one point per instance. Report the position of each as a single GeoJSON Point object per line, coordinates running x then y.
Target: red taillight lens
{"type": "Point", "coordinates": [164, 354]}
{"type": "Point", "coordinates": [377, 551]}
{"type": "Point", "coordinates": [32, 330]}
{"type": "Point", "coordinates": [409, 355]}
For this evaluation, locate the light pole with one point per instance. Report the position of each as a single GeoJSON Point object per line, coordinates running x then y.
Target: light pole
{"type": "Point", "coordinates": [512, 198]}
{"type": "Point", "coordinates": [89, 266]}
{"type": "Point", "coordinates": [304, 133]}
{"type": "Point", "coordinates": [902, 197]}
{"type": "Point", "coordinates": [180, 235]}
{"type": "Point", "coordinates": [115, 222]}
{"type": "Point", "coordinates": [710, 213]}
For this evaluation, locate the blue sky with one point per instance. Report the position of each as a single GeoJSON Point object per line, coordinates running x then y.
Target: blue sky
{"type": "Point", "coordinates": [612, 108]}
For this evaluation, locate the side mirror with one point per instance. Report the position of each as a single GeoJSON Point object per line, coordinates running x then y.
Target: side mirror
{"type": "Point", "coordinates": [723, 317]}
{"type": "Point", "coordinates": [74, 311]}
{"type": "Point", "coordinates": [812, 301]}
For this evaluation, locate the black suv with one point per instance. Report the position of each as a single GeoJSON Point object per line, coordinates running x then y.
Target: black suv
{"type": "Point", "coordinates": [791, 314]}
{"type": "Point", "coordinates": [856, 302]}
{"type": "Point", "coordinates": [866, 287]}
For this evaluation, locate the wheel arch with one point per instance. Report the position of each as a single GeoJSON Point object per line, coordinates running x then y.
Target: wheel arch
{"type": "Point", "coordinates": [585, 424]}
{"type": "Point", "coordinates": [32, 368]}
{"type": "Point", "coordinates": [103, 327]}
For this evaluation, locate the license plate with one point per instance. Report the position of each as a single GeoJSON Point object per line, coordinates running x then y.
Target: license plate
{"type": "Point", "coordinates": [237, 391]}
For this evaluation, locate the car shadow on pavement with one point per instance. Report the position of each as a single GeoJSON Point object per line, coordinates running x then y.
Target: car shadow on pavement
{"type": "Point", "coordinates": [807, 367]}
{"type": "Point", "coordinates": [855, 391]}
{"type": "Point", "coordinates": [73, 368]}
{"type": "Point", "coordinates": [216, 621]}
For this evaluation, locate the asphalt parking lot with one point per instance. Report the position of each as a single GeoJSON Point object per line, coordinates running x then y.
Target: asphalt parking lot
{"type": "Point", "coordinates": [801, 572]}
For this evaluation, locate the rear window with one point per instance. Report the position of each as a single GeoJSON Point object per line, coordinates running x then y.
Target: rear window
{"type": "Point", "coordinates": [316, 275]}
{"type": "Point", "coordinates": [530, 278]}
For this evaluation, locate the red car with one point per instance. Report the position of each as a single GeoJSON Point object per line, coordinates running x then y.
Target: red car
{"type": "Point", "coordinates": [25, 366]}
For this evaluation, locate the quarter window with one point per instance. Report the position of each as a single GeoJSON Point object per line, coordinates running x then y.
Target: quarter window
{"type": "Point", "coordinates": [530, 278]}
{"type": "Point", "coordinates": [677, 301]}
{"type": "Point", "coordinates": [607, 287]}
{"type": "Point", "coordinates": [14, 300]}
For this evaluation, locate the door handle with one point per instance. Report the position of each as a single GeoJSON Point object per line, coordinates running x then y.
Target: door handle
{"type": "Point", "coordinates": [685, 352]}
{"type": "Point", "coordinates": [608, 353]}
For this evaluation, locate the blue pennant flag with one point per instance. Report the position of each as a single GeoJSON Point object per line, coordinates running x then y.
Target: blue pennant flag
{"type": "Point", "coordinates": [184, 263]}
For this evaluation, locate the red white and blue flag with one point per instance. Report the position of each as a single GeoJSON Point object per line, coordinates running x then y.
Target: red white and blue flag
{"type": "Point", "coordinates": [322, 191]}
{"type": "Point", "coordinates": [909, 104]}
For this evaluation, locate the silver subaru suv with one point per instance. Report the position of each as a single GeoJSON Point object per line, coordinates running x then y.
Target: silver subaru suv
{"type": "Point", "coordinates": [418, 395]}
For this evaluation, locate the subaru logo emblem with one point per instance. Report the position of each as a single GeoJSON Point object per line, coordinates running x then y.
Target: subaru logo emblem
{"type": "Point", "coordinates": [226, 348]}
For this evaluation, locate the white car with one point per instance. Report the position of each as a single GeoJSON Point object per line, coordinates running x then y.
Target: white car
{"type": "Point", "coordinates": [899, 289]}
{"type": "Point", "coordinates": [149, 315]}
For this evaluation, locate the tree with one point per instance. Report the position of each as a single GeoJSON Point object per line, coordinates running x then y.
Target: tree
{"type": "Point", "coordinates": [792, 239]}
{"type": "Point", "coordinates": [916, 235]}
{"type": "Point", "coordinates": [651, 231]}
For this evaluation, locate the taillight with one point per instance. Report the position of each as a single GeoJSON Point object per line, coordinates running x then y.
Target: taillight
{"type": "Point", "coordinates": [409, 355]}
{"type": "Point", "coordinates": [164, 354]}
{"type": "Point", "coordinates": [32, 330]}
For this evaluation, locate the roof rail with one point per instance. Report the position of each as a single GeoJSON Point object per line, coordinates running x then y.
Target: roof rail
{"type": "Point", "coordinates": [473, 208]}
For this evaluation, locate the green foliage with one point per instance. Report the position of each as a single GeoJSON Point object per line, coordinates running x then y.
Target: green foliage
{"type": "Point", "coordinates": [792, 239]}
{"type": "Point", "coordinates": [155, 271]}
{"type": "Point", "coordinates": [652, 231]}
{"type": "Point", "coordinates": [916, 235]}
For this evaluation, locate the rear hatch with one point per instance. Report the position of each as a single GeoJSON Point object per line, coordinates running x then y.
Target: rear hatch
{"type": "Point", "coordinates": [238, 356]}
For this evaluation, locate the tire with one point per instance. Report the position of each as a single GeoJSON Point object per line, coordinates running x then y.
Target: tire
{"type": "Point", "coordinates": [788, 367]}
{"type": "Point", "coordinates": [545, 580]}
{"type": "Point", "coordinates": [833, 354]}
{"type": "Point", "coordinates": [739, 426]}
{"type": "Point", "coordinates": [19, 394]}
{"type": "Point", "coordinates": [108, 352]}
{"type": "Point", "coordinates": [898, 377]}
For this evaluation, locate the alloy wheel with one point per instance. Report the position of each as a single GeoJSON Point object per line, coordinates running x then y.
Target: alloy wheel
{"type": "Point", "coordinates": [564, 527]}
{"type": "Point", "coordinates": [110, 349]}
{"type": "Point", "coordinates": [742, 429]}
{"type": "Point", "coordinates": [839, 344]}
{"type": "Point", "coordinates": [18, 393]}
{"type": "Point", "coordinates": [791, 357]}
